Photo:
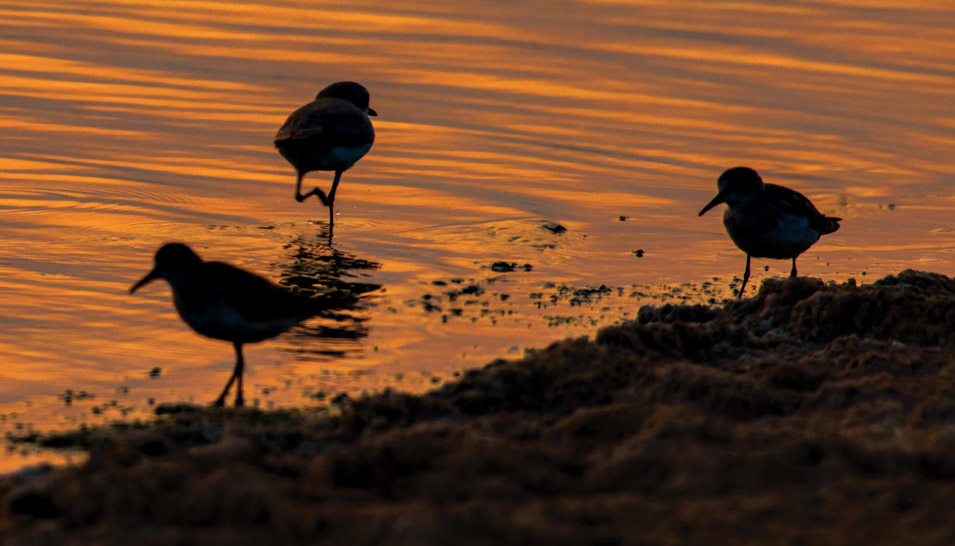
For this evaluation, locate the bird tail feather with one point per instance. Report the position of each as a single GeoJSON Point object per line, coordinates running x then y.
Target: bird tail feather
{"type": "Point", "coordinates": [831, 225]}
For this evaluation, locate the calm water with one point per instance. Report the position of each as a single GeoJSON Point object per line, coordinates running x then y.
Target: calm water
{"type": "Point", "coordinates": [125, 124]}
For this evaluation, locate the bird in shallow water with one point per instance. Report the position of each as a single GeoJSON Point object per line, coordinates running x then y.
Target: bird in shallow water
{"type": "Point", "coordinates": [766, 220]}
{"type": "Point", "coordinates": [330, 133]}
{"type": "Point", "coordinates": [221, 301]}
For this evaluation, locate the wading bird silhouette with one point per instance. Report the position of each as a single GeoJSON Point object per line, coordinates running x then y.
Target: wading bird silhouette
{"type": "Point", "coordinates": [766, 220]}
{"type": "Point", "coordinates": [330, 133]}
{"type": "Point", "coordinates": [221, 301]}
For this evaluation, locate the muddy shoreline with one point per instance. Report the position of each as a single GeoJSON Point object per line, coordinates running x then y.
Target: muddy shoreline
{"type": "Point", "coordinates": [808, 414]}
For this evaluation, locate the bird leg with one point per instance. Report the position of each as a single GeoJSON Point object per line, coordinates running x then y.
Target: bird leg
{"type": "Point", "coordinates": [330, 201]}
{"type": "Point", "coordinates": [315, 191]}
{"type": "Point", "coordinates": [236, 372]}
{"type": "Point", "coordinates": [221, 400]}
{"type": "Point", "coordinates": [793, 272]}
{"type": "Point", "coordinates": [240, 369]}
{"type": "Point", "coordinates": [745, 279]}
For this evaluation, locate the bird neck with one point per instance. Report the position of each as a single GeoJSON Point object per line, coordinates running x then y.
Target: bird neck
{"type": "Point", "coordinates": [177, 281]}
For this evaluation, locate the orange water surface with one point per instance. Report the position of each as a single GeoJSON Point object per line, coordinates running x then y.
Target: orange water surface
{"type": "Point", "coordinates": [128, 123]}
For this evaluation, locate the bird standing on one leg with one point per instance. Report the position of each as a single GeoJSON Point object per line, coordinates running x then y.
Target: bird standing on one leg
{"type": "Point", "coordinates": [221, 301]}
{"type": "Point", "coordinates": [766, 220]}
{"type": "Point", "coordinates": [330, 133]}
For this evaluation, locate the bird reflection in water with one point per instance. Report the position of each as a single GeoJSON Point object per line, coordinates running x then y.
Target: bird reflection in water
{"type": "Point", "coordinates": [313, 265]}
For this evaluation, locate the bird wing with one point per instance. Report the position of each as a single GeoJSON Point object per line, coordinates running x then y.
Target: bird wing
{"type": "Point", "coordinates": [792, 202]}
{"type": "Point", "coordinates": [335, 122]}
{"type": "Point", "coordinates": [256, 298]}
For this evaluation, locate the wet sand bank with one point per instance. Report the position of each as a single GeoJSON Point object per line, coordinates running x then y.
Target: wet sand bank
{"type": "Point", "coordinates": [809, 414]}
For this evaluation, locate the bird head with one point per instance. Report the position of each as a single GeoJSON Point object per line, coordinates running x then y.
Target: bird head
{"type": "Point", "coordinates": [172, 262]}
{"type": "Point", "coordinates": [736, 186]}
{"type": "Point", "coordinates": [351, 91]}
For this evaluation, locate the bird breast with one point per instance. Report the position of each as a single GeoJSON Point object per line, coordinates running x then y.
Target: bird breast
{"type": "Point", "coordinates": [219, 320]}
{"type": "Point", "coordinates": [346, 155]}
{"type": "Point", "coordinates": [780, 235]}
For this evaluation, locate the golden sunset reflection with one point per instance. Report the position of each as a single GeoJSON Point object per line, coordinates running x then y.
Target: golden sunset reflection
{"type": "Point", "coordinates": [576, 140]}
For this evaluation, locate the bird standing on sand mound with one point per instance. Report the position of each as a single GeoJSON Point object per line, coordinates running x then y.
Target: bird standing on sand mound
{"type": "Point", "coordinates": [330, 133]}
{"type": "Point", "coordinates": [221, 301]}
{"type": "Point", "coordinates": [766, 220]}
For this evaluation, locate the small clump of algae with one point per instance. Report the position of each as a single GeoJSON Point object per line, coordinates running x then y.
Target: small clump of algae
{"type": "Point", "coordinates": [811, 413]}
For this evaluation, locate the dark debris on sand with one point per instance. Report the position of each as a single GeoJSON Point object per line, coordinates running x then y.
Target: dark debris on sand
{"type": "Point", "coordinates": [809, 414]}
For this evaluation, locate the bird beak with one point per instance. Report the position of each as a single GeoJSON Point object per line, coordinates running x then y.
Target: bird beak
{"type": "Point", "coordinates": [716, 201]}
{"type": "Point", "coordinates": [371, 112]}
{"type": "Point", "coordinates": [151, 276]}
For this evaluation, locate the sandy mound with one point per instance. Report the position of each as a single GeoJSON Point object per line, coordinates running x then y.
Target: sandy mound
{"type": "Point", "coordinates": [809, 414]}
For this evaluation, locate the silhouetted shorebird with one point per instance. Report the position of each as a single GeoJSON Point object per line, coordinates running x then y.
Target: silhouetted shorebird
{"type": "Point", "coordinates": [221, 301]}
{"type": "Point", "coordinates": [330, 133]}
{"type": "Point", "coordinates": [766, 220]}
